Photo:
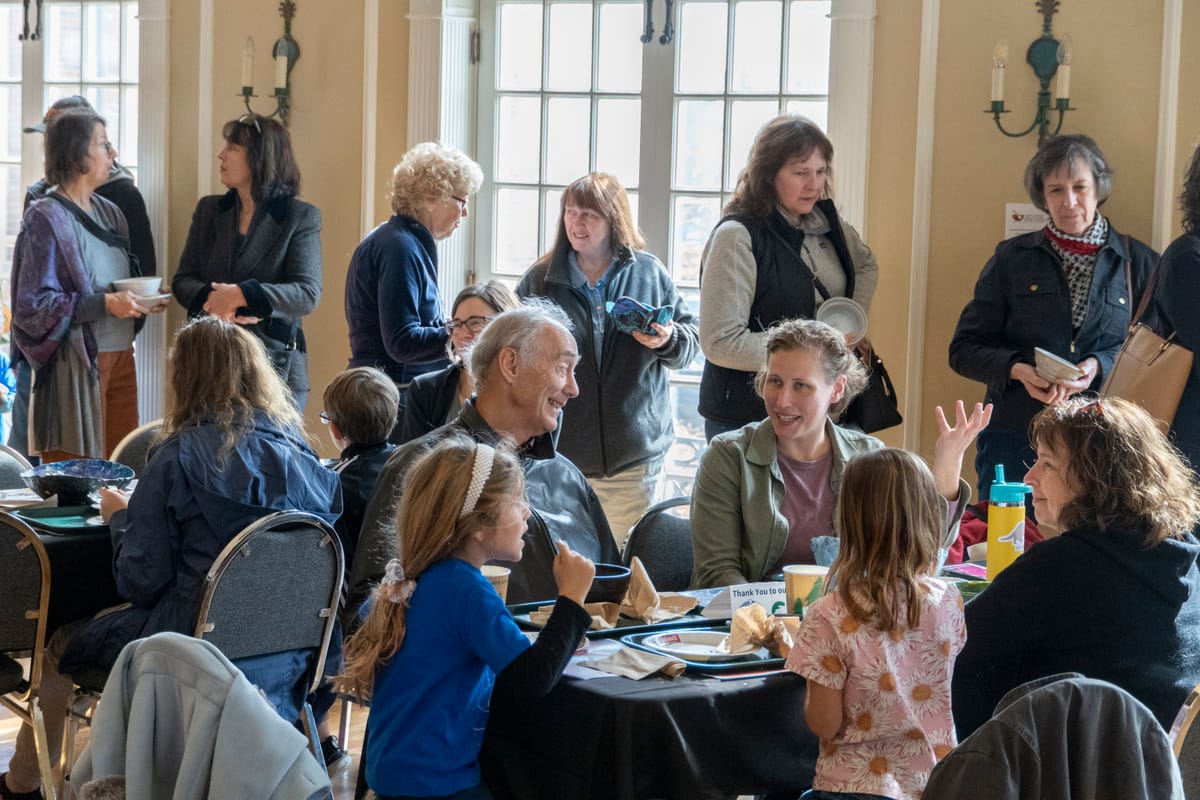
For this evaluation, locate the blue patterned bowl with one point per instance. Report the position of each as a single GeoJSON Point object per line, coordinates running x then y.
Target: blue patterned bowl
{"type": "Point", "coordinates": [74, 480]}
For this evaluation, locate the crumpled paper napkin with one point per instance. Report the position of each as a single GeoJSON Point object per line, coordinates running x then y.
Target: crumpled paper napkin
{"type": "Point", "coordinates": [636, 664]}
{"type": "Point", "coordinates": [644, 602]}
{"type": "Point", "coordinates": [604, 615]}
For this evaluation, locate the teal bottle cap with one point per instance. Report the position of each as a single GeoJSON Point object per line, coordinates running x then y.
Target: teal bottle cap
{"type": "Point", "coordinates": [1002, 492]}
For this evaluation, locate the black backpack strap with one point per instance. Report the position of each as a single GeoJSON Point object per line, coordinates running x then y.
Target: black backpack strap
{"type": "Point", "coordinates": [110, 238]}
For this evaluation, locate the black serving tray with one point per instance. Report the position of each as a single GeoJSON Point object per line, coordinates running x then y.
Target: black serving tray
{"type": "Point", "coordinates": [758, 660]}
{"type": "Point", "coordinates": [624, 625]}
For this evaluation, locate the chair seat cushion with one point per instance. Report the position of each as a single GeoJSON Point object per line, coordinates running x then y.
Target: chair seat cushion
{"type": "Point", "coordinates": [12, 674]}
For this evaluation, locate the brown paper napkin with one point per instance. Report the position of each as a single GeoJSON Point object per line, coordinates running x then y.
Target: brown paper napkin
{"type": "Point", "coordinates": [604, 615]}
{"type": "Point", "coordinates": [644, 602]}
{"type": "Point", "coordinates": [752, 626]}
{"type": "Point", "coordinates": [636, 664]}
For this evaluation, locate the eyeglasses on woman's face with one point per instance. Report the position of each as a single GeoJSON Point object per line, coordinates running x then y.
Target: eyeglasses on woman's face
{"type": "Point", "coordinates": [472, 324]}
{"type": "Point", "coordinates": [462, 203]}
{"type": "Point", "coordinates": [325, 418]}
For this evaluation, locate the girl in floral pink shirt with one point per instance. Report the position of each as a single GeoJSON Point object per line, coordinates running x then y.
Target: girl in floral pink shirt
{"type": "Point", "coordinates": [878, 653]}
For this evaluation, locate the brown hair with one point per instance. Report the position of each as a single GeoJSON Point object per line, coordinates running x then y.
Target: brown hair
{"type": "Point", "coordinates": [1063, 151]}
{"type": "Point", "coordinates": [1125, 473]}
{"type": "Point", "coordinates": [428, 530]}
{"type": "Point", "coordinates": [273, 169]}
{"type": "Point", "coordinates": [603, 194]}
{"type": "Point", "coordinates": [823, 340]}
{"type": "Point", "coordinates": [1189, 197]}
{"type": "Point", "coordinates": [364, 403]}
{"type": "Point", "coordinates": [890, 522]}
{"type": "Point", "coordinates": [494, 293]}
{"type": "Point", "coordinates": [786, 137]}
{"type": "Point", "coordinates": [68, 145]}
{"type": "Point", "coordinates": [220, 373]}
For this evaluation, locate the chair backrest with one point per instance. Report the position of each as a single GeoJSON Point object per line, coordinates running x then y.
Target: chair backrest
{"type": "Point", "coordinates": [275, 587]}
{"type": "Point", "coordinates": [663, 541]}
{"type": "Point", "coordinates": [25, 578]}
{"type": "Point", "coordinates": [12, 464]}
{"type": "Point", "coordinates": [135, 447]}
{"type": "Point", "coordinates": [1185, 746]}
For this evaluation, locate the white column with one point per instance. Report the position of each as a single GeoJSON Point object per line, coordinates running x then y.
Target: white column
{"type": "Point", "coordinates": [441, 106]}
{"type": "Point", "coordinates": [851, 61]}
{"type": "Point", "coordinates": [1165, 179]}
{"type": "Point", "coordinates": [154, 26]}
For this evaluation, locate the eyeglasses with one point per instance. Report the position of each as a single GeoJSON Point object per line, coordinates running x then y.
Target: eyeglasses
{"type": "Point", "coordinates": [472, 324]}
{"type": "Point", "coordinates": [108, 147]}
{"type": "Point", "coordinates": [325, 418]}
{"type": "Point", "coordinates": [250, 119]}
{"type": "Point", "coordinates": [462, 202]}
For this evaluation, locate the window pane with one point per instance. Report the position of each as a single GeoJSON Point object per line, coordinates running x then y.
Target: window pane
{"type": "Point", "coordinates": [568, 138]}
{"type": "Point", "coordinates": [518, 135]}
{"type": "Point", "coordinates": [14, 199]}
{"type": "Point", "coordinates": [107, 102]}
{"type": "Point", "coordinates": [746, 117]}
{"type": "Point", "coordinates": [551, 210]}
{"type": "Point", "coordinates": [129, 127]}
{"type": "Point", "coordinates": [520, 47]}
{"type": "Point", "coordinates": [129, 67]}
{"type": "Point", "coordinates": [10, 28]}
{"type": "Point", "coordinates": [569, 67]}
{"type": "Point", "coordinates": [701, 45]}
{"type": "Point", "coordinates": [101, 59]}
{"type": "Point", "coordinates": [808, 47]}
{"type": "Point", "coordinates": [756, 32]}
{"type": "Point", "coordinates": [691, 223]}
{"type": "Point", "coordinates": [683, 459]}
{"type": "Point", "coordinates": [62, 42]}
{"type": "Point", "coordinates": [619, 57]}
{"type": "Point", "coordinates": [633, 207]}
{"type": "Point", "coordinates": [10, 122]}
{"type": "Point", "coordinates": [618, 139]}
{"type": "Point", "coordinates": [516, 230]}
{"type": "Point", "coordinates": [699, 129]}
{"type": "Point", "coordinates": [816, 110]}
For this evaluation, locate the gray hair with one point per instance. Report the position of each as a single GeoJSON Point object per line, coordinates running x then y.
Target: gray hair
{"type": "Point", "coordinates": [1064, 151]}
{"type": "Point", "coordinates": [521, 329]}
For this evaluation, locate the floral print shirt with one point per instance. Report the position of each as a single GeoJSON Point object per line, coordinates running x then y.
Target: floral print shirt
{"type": "Point", "coordinates": [895, 692]}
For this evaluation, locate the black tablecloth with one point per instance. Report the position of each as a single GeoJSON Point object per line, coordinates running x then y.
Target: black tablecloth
{"type": "Point", "coordinates": [619, 739]}
{"type": "Point", "coordinates": [81, 575]}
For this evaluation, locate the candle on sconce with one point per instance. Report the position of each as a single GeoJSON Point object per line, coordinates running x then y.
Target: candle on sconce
{"type": "Point", "coordinates": [248, 62]}
{"type": "Point", "coordinates": [281, 64]}
{"type": "Point", "coordinates": [1062, 82]}
{"type": "Point", "coordinates": [999, 58]}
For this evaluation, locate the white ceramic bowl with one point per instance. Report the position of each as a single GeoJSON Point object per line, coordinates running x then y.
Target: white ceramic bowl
{"type": "Point", "coordinates": [142, 287]}
{"type": "Point", "coordinates": [1053, 368]}
{"type": "Point", "coordinates": [845, 316]}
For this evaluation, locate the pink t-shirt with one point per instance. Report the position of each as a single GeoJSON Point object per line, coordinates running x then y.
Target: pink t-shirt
{"type": "Point", "coordinates": [895, 692]}
{"type": "Point", "coordinates": [808, 505]}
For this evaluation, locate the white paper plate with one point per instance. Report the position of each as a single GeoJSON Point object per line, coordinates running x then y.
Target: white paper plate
{"type": "Point", "coordinates": [696, 646]}
{"type": "Point", "coordinates": [844, 315]}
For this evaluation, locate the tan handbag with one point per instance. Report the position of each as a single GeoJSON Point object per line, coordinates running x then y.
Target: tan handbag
{"type": "Point", "coordinates": [1150, 370]}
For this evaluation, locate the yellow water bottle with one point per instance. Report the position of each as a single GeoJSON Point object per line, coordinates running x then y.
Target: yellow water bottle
{"type": "Point", "coordinates": [1006, 523]}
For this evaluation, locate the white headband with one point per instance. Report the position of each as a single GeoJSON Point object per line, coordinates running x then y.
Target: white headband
{"type": "Point", "coordinates": [481, 470]}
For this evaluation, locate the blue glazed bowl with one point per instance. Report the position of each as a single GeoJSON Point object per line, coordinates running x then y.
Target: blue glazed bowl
{"type": "Point", "coordinates": [74, 480]}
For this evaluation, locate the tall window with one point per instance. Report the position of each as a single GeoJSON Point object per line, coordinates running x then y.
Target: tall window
{"type": "Point", "coordinates": [89, 48]}
{"type": "Point", "coordinates": [570, 88]}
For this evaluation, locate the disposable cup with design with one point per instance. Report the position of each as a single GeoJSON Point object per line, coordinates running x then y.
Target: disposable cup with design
{"type": "Point", "coordinates": [498, 577]}
{"type": "Point", "coordinates": [804, 583]}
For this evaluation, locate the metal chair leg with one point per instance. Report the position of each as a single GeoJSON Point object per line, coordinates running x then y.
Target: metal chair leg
{"type": "Point", "coordinates": [310, 730]}
{"type": "Point", "coordinates": [50, 789]}
{"type": "Point", "coordinates": [79, 712]}
{"type": "Point", "coordinates": [344, 724]}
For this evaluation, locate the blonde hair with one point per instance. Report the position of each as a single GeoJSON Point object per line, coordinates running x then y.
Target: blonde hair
{"type": "Point", "coordinates": [823, 341]}
{"type": "Point", "coordinates": [220, 373]}
{"type": "Point", "coordinates": [428, 530]}
{"type": "Point", "coordinates": [432, 172]}
{"type": "Point", "coordinates": [890, 523]}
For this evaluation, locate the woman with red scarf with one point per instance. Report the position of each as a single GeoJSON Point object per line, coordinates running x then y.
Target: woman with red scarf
{"type": "Point", "coordinates": [1069, 288]}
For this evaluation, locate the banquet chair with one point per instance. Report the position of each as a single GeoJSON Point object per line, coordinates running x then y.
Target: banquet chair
{"type": "Point", "coordinates": [663, 541]}
{"type": "Point", "coordinates": [135, 447]}
{"type": "Point", "coordinates": [25, 576]}
{"type": "Point", "coordinates": [274, 588]}
{"type": "Point", "coordinates": [12, 464]}
{"type": "Point", "coordinates": [1185, 746]}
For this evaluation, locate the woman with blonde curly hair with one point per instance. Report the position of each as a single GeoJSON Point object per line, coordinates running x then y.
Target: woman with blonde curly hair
{"type": "Point", "coordinates": [1117, 595]}
{"type": "Point", "coordinates": [438, 637]}
{"type": "Point", "coordinates": [393, 307]}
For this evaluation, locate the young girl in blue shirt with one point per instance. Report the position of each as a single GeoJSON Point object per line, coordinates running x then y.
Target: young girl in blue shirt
{"type": "Point", "coordinates": [438, 637]}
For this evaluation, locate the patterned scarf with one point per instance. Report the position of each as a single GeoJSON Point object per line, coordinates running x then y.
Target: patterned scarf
{"type": "Point", "coordinates": [1078, 255]}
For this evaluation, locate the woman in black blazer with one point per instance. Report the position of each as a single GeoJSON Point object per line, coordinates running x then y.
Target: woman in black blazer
{"type": "Point", "coordinates": [435, 398]}
{"type": "Point", "coordinates": [253, 255]}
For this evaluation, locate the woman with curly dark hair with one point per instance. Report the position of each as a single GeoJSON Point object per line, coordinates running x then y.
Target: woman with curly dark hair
{"type": "Point", "coordinates": [1115, 595]}
{"type": "Point", "coordinates": [1175, 301]}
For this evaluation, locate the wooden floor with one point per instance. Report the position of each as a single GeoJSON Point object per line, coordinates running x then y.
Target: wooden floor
{"type": "Point", "coordinates": [343, 785]}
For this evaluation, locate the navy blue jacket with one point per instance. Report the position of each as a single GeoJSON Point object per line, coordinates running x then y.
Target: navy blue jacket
{"type": "Point", "coordinates": [1022, 301]}
{"type": "Point", "coordinates": [187, 506]}
{"type": "Point", "coordinates": [357, 468]}
{"type": "Point", "coordinates": [393, 307]}
{"type": "Point", "coordinates": [1175, 300]}
{"type": "Point", "coordinates": [622, 416]}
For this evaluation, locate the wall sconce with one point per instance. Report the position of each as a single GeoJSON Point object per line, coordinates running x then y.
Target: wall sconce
{"type": "Point", "coordinates": [36, 34]}
{"type": "Point", "coordinates": [285, 53]}
{"type": "Point", "coordinates": [1048, 57]}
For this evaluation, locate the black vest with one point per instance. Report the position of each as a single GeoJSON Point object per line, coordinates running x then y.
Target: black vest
{"type": "Point", "coordinates": [783, 290]}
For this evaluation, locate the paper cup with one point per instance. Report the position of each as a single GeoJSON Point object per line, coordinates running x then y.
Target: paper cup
{"type": "Point", "coordinates": [499, 578]}
{"type": "Point", "coordinates": [804, 583]}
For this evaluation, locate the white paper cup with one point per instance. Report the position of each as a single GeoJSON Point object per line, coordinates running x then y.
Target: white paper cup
{"type": "Point", "coordinates": [802, 582]}
{"type": "Point", "coordinates": [498, 577]}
